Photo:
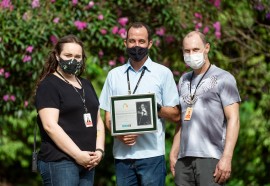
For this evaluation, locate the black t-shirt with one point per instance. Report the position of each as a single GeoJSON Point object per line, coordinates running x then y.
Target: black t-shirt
{"type": "Point", "coordinates": [53, 92]}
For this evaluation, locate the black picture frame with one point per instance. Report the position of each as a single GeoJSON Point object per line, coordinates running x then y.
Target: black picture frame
{"type": "Point", "coordinates": [133, 114]}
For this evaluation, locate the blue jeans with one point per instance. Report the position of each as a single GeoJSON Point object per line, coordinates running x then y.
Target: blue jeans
{"type": "Point", "coordinates": [143, 172]}
{"type": "Point", "coordinates": [65, 173]}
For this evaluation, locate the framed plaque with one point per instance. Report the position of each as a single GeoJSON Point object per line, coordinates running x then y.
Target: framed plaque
{"type": "Point", "coordinates": [133, 114]}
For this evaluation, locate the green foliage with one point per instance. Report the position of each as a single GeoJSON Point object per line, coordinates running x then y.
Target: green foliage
{"type": "Point", "coordinates": [240, 45]}
{"type": "Point", "coordinates": [251, 157]}
{"type": "Point", "coordinates": [16, 147]}
{"type": "Point", "coordinates": [14, 127]}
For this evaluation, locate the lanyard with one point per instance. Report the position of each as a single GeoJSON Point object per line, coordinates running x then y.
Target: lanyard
{"type": "Point", "coordinates": [129, 91]}
{"type": "Point", "coordinates": [192, 96]}
{"type": "Point", "coordinates": [83, 96]}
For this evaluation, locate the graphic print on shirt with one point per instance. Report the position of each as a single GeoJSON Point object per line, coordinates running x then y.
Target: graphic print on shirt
{"type": "Point", "coordinates": [204, 86]}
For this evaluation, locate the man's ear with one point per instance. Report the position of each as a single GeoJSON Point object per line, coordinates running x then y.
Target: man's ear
{"type": "Point", "coordinates": [207, 47]}
{"type": "Point", "coordinates": [150, 44]}
{"type": "Point", "coordinates": [125, 43]}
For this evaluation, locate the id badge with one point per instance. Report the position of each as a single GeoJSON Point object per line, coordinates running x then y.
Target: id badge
{"type": "Point", "coordinates": [87, 120]}
{"type": "Point", "coordinates": [188, 113]}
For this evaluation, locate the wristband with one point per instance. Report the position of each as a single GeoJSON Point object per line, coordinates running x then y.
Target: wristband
{"type": "Point", "coordinates": [102, 152]}
{"type": "Point", "coordinates": [158, 107]}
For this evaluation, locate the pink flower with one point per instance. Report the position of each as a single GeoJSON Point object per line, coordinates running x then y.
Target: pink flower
{"type": "Point", "coordinates": [217, 3]}
{"type": "Point", "coordinates": [100, 17]}
{"type": "Point", "coordinates": [121, 59]}
{"type": "Point", "coordinates": [25, 16]}
{"type": "Point", "coordinates": [91, 4]}
{"type": "Point", "coordinates": [123, 21]}
{"type": "Point", "coordinates": [206, 30]}
{"type": "Point", "coordinates": [198, 25]}
{"type": "Point", "coordinates": [176, 73]}
{"type": "Point", "coordinates": [115, 29]}
{"type": "Point", "coordinates": [103, 31]}
{"type": "Point", "coordinates": [25, 103]}
{"type": "Point", "coordinates": [11, 7]}
{"type": "Point", "coordinates": [100, 53]}
{"type": "Point", "coordinates": [2, 71]}
{"type": "Point", "coordinates": [123, 33]}
{"type": "Point", "coordinates": [56, 20]}
{"type": "Point", "coordinates": [6, 97]}
{"type": "Point", "coordinates": [217, 26]}
{"type": "Point", "coordinates": [157, 43]}
{"type": "Point", "coordinates": [259, 7]}
{"type": "Point", "coordinates": [160, 31]}
{"type": "Point", "coordinates": [26, 58]}
{"type": "Point", "coordinates": [112, 63]}
{"type": "Point", "coordinates": [80, 25]}
{"type": "Point", "coordinates": [267, 16]}
{"type": "Point", "coordinates": [53, 39]}
{"type": "Point", "coordinates": [74, 2]}
{"type": "Point", "coordinates": [12, 98]}
{"type": "Point", "coordinates": [7, 74]}
{"type": "Point", "coordinates": [35, 4]}
{"type": "Point", "coordinates": [29, 49]}
{"type": "Point", "coordinates": [169, 39]}
{"type": "Point", "coordinates": [5, 4]}
{"type": "Point", "coordinates": [218, 35]}
{"type": "Point", "coordinates": [198, 15]}
{"type": "Point", "coordinates": [53, 1]}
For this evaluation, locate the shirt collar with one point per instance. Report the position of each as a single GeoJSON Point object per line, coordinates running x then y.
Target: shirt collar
{"type": "Point", "coordinates": [147, 65]}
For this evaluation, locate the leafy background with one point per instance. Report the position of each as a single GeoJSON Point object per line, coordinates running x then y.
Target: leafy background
{"type": "Point", "coordinates": [239, 34]}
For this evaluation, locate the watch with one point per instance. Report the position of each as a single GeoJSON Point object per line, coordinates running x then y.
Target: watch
{"type": "Point", "coordinates": [102, 152]}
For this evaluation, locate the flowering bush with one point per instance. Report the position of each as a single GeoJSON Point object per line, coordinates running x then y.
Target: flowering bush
{"type": "Point", "coordinates": [237, 31]}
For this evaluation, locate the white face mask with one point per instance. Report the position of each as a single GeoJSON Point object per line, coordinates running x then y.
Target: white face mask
{"type": "Point", "coordinates": [195, 61]}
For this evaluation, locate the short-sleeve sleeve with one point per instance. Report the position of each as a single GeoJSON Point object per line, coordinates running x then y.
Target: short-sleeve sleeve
{"type": "Point", "coordinates": [47, 96]}
{"type": "Point", "coordinates": [170, 96]}
{"type": "Point", "coordinates": [106, 93]}
{"type": "Point", "coordinates": [179, 85]}
{"type": "Point", "coordinates": [228, 91]}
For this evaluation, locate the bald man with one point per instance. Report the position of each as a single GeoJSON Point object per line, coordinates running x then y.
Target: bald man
{"type": "Point", "coordinates": [205, 139]}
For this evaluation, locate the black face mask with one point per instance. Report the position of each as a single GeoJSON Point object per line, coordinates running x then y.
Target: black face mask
{"type": "Point", "coordinates": [137, 53]}
{"type": "Point", "coordinates": [71, 66]}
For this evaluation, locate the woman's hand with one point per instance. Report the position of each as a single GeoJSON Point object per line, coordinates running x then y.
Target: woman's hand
{"type": "Point", "coordinates": [84, 159]}
{"type": "Point", "coordinates": [96, 157]}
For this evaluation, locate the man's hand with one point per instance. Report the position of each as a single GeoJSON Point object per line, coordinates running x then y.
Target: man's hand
{"type": "Point", "coordinates": [173, 161]}
{"type": "Point", "coordinates": [223, 170]}
{"type": "Point", "coordinates": [128, 139]}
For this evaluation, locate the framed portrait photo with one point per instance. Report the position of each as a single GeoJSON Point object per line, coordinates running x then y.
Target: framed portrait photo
{"type": "Point", "coordinates": [133, 114]}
